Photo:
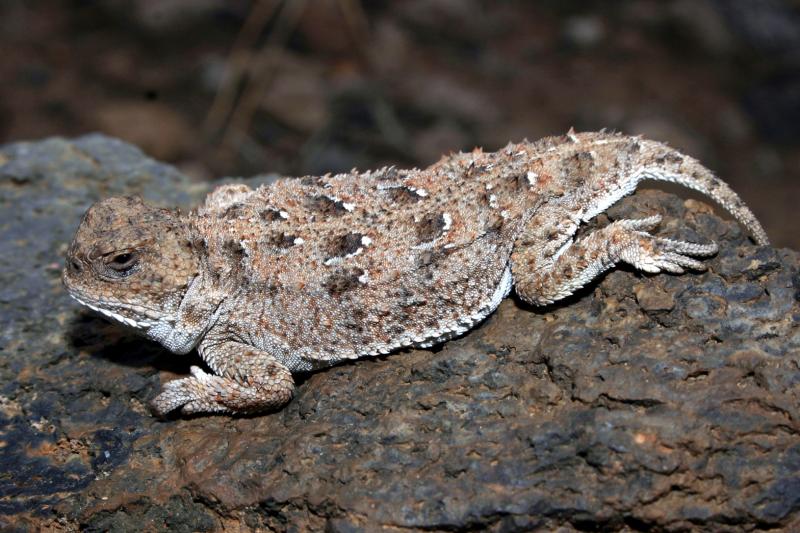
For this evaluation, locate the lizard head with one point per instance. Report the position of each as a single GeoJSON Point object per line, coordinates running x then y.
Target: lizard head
{"type": "Point", "coordinates": [131, 262]}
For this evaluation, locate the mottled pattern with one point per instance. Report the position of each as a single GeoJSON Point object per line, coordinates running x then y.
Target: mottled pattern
{"type": "Point", "coordinates": [308, 272]}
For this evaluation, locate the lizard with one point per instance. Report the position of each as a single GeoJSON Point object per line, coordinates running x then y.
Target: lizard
{"type": "Point", "coordinates": [305, 273]}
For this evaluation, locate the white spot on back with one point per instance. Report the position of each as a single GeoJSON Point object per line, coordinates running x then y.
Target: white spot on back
{"type": "Point", "coordinates": [448, 221]}
{"type": "Point", "coordinates": [424, 246]}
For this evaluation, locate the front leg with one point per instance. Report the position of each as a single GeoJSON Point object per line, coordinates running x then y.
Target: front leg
{"type": "Point", "coordinates": [250, 380]}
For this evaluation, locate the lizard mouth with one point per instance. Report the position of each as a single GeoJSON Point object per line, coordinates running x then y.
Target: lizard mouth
{"type": "Point", "coordinates": [117, 317]}
{"type": "Point", "coordinates": [139, 317]}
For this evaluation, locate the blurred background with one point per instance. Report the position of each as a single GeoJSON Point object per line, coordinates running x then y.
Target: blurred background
{"type": "Point", "coordinates": [234, 87]}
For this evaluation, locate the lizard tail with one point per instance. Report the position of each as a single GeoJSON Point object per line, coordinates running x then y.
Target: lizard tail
{"type": "Point", "coordinates": [672, 166]}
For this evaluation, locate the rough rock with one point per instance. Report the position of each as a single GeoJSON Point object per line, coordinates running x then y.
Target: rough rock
{"type": "Point", "coordinates": [645, 402]}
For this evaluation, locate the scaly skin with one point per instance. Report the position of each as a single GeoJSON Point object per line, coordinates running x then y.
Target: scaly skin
{"type": "Point", "coordinates": [309, 272]}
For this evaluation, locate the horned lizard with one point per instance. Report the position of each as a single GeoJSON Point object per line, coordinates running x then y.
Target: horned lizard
{"type": "Point", "coordinates": [306, 273]}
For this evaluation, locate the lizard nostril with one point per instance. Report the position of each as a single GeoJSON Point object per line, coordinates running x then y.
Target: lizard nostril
{"type": "Point", "coordinates": [75, 265]}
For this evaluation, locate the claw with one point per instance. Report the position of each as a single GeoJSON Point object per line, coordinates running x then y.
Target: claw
{"type": "Point", "coordinates": [673, 256]}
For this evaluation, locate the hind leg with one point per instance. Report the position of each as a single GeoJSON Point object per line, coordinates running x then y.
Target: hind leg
{"type": "Point", "coordinates": [541, 279]}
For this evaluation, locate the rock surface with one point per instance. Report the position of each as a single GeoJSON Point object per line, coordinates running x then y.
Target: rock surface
{"type": "Point", "coordinates": [666, 402]}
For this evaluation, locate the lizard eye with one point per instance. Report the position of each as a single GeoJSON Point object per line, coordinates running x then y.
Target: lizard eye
{"type": "Point", "coordinates": [122, 264]}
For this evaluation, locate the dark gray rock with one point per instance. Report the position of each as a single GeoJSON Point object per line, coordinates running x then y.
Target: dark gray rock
{"type": "Point", "coordinates": [645, 402]}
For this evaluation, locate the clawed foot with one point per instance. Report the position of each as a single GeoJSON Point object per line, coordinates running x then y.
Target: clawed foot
{"type": "Point", "coordinates": [655, 254]}
{"type": "Point", "coordinates": [188, 394]}
{"type": "Point", "coordinates": [207, 393]}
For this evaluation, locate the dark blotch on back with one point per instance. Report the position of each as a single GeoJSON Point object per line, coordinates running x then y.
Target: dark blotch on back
{"type": "Point", "coordinates": [199, 244]}
{"type": "Point", "coordinates": [402, 195]}
{"type": "Point", "coordinates": [346, 244]}
{"type": "Point", "coordinates": [578, 168]}
{"type": "Point", "coordinates": [233, 211]}
{"type": "Point", "coordinates": [235, 251]}
{"type": "Point", "coordinates": [233, 247]}
{"type": "Point", "coordinates": [430, 227]}
{"type": "Point", "coordinates": [633, 147]}
{"type": "Point", "coordinates": [495, 224]}
{"type": "Point", "coordinates": [475, 170]}
{"type": "Point", "coordinates": [270, 215]}
{"type": "Point", "coordinates": [671, 157]}
{"type": "Point", "coordinates": [585, 162]}
{"type": "Point", "coordinates": [343, 280]}
{"type": "Point", "coordinates": [312, 181]}
{"type": "Point", "coordinates": [520, 182]}
{"type": "Point", "coordinates": [281, 239]}
{"type": "Point", "coordinates": [325, 205]}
